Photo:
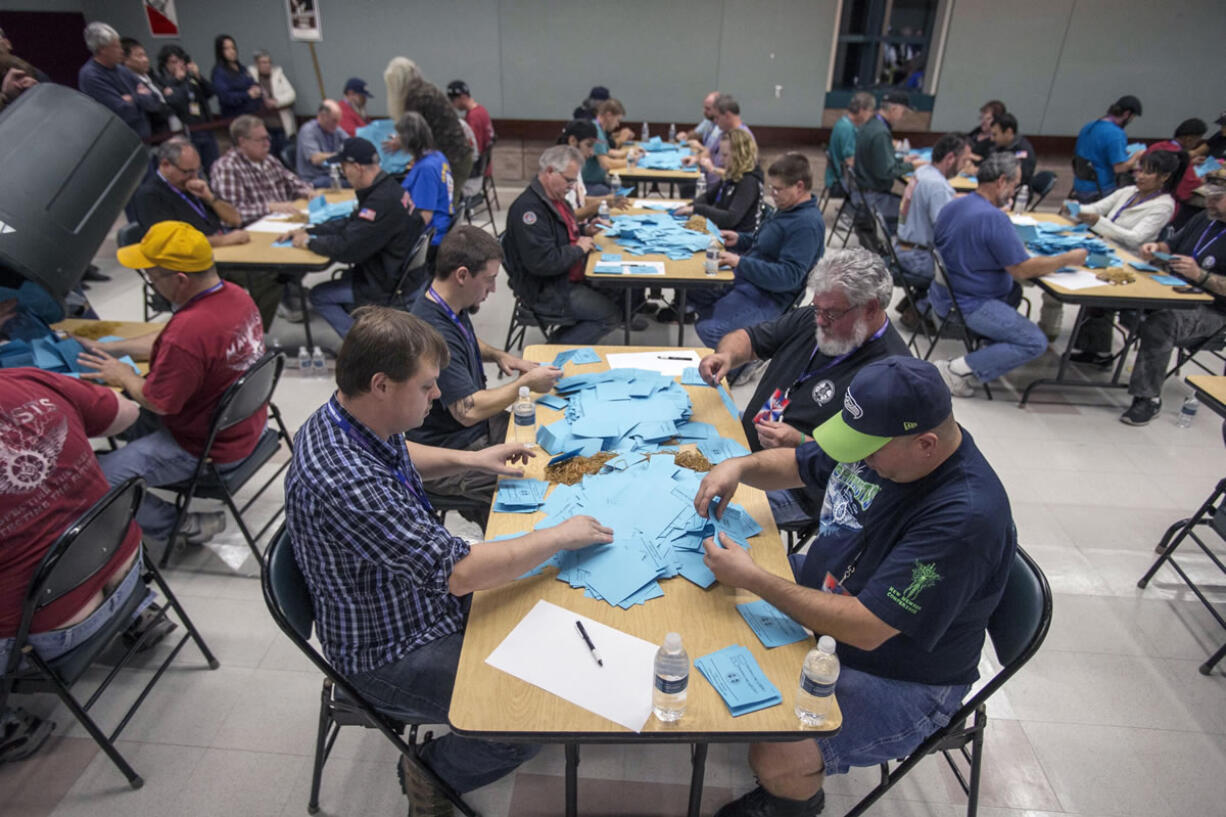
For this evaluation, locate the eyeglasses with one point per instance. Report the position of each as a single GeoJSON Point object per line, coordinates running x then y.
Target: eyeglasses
{"type": "Point", "coordinates": [190, 171]}
{"type": "Point", "coordinates": [569, 181]}
{"type": "Point", "coordinates": [832, 315]}
{"type": "Point", "coordinates": [265, 138]}
{"type": "Point", "coordinates": [776, 190]}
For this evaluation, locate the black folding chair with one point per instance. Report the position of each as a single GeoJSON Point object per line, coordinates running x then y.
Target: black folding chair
{"type": "Point", "coordinates": [828, 193]}
{"type": "Point", "coordinates": [79, 553]}
{"type": "Point", "coordinates": [1084, 170]}
{"type": "Point", "coordinates": [1017, 628]}
{"type": "Point", "coordinates": [1186, 352]}
{"type": "Point", "coordinates": [953, 325]}
{"type": "Point", "coordinates": [340, 704]}
{"type": "Point", "coordinates": [854, 206]}
{"type": "Point", "coordinates": [482, 199]}
{"type": "Point", "coordinates": [243, 398]}
{"type": "Point", "coordinates": [913, 294]}
{"type": "Point", "coordinates": [524, 314]}
{"type": "Point", "coordinates": [1041, 184]}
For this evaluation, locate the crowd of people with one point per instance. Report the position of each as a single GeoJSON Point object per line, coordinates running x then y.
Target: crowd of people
{"type": "Point", "coordinates": [850, 434]}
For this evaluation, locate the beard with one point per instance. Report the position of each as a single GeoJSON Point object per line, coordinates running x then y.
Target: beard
{"type": "Point", "coordinates": [834, 347]}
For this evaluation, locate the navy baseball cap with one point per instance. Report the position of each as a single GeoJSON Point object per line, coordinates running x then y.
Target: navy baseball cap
{"type": "Point", "coordinates": [359, 150]}
{"type": "Point", "coordinates": [598, 92]}
{"type": "Point", "coordinates": [897, 98]}
{"type": "Point", "coordinates": [1128, 102]}
{"type": "Point", "coordinates": [356, 84]}
{"type": "Point", "coordinates": [457, 87]}
{"type": "Point", "coordinates": [892, 397]}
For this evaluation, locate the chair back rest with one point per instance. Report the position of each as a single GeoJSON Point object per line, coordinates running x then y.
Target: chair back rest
{"type": "Point", "coordinates": [1083, 169]}
{"type": "Point", "coordinates": [129, 234]}
{"type": "Point", "coordinates": [289, 153]}
{"type": "Point", "coordinates": [1042, 183]}
{"type": "Point", "coordinates": [247, 394]}
{"type": "Point", "coordinates": [285, 588]}
{"type": "Point", "coordinates": [887, 247]}
{"type": "Point", "coordinates": [413, 268]}
{"type": "Point", "coordinates": [510, 261]}
{"type": "Point", "coordinates": [1019, 624]}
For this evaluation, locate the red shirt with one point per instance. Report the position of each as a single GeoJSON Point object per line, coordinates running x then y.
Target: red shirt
{"type": "Point", "coordinates": [479, 120]}
{"type": "Point", "coordinates": [204, 348]}
{"type": "Point", "coordinates": [1190, 181]}
{"type": "Point", "coordinates": [350, 120]}
{"type": "Point", "coordinates": [572, 233]}
{"type": "Point", "coordinates": [49, 477]}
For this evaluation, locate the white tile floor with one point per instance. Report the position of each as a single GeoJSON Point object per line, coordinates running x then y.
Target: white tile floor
{"type": "Point", "coordinates": [1110, 718]}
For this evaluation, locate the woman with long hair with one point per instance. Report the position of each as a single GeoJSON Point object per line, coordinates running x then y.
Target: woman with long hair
{"type": "Point", "coordinates": [408, 90]}
{"type": "Point", "coordinates": [734, 203]}
{"type": "Point", "coordinates": [237, 92]}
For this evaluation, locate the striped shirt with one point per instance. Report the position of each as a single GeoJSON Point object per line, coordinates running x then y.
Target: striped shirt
{"type": "Point", "coordinates": [252, 186]}
{"type": "Point", "coordinates": [376, 561]}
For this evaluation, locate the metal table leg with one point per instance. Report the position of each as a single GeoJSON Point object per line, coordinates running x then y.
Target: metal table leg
{"type": "Point", "coordinates": [698, 759]}
{"type": "Point", "coordinates": [681, 317]}
{"type": "Point", "coordinates": [572, 779]}
{"type": "Point", "coordinates": [627, 316]}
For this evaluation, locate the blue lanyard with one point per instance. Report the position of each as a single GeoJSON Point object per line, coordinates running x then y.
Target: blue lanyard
{"type": "Point", "coordinates": [807, 376]}
{"type": "Point", "coordinates": [199, 210]}
{"type": "Point", "coordinates": [438, 299]}
{"type": "Point", "coordinates": [1131, 201]}
{"type": "Point", "coordinates": [1202, 243]}
{"type": "Point", "coordinates": [401, 477]}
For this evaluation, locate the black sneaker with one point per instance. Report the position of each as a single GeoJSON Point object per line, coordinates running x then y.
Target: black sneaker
{"type": "Point", "coordinates": [1142, 410]}
{"type": "Point", "coordinates": [761, 803]}
{"type": "Point", "coordinates": [22, 734]}
{"type": "Point", "coordinates": [669, 315]}
{"type": "Point", "coordinates": [150, 626]}
{"type": "Point", "coordinates": [1100, 359]}
{"type": "Point", "coordinates": [638, 323]}
{"type": "Point", "coordinates": [649, 308]}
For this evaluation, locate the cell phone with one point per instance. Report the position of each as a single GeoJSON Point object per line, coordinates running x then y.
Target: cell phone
{"type": "Point", "coordinates": [1187, 289]}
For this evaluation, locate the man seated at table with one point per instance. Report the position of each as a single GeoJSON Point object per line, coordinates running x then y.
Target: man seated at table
{"type": "Point", "coordinates": [877, 166]}
{"type": "Point", "coordinates": [804, 383]}
{"type": "Point", "coordinates": [769, 267]}
{"type": "Point", "coordinates": [697, 135]}
{"type": "Point", "coordinates": [842, 149]}
{"type": "Point", "coordinates": [318, 142]}
{"type": "Point", "coordinates": [911, 501]}
{"type": "Point", "coordinates": [213, 337]}
{"type": "Point", "coordinates": [178, 193]}
{"type": "Point", "coordinates": [605, 156]}
{"type": "Point", "coordinates": [1006, 138]}
{"type": "Point", "coordinates": [387, 579]}
{"type": "Point", "coordinates": [985, 260]}
{"type": "Point", "coordinates": [727, 119]}
{"type": "Point", "coordinates": [1103, 144]}
{"type": "Point", "coordinates": [376, 239]}
{"type": "Point", "coordinates": [547, 254]}
{"type": "Point", "coordinates": [1200, 259]}
{"type": "Point", "coordinates": [353, 106]}
{"type": "Point", "coordinates": [257, 184]}
{"type": "Point", "coordinates": [468, 415]}
{"type": "Point", "coordinates": [926, 196]}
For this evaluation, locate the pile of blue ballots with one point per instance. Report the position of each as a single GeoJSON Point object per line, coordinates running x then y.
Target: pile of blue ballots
{"type": "Point", "coordinates": [649, 504]}
{"type": "Point", "coordinates": [320, 210]}
{"type": "Point", "coordinates": [1208, 166]}
{"type": "Point", "coordinates": [657, 145]}
{"type": "Point", "coordinates": [1045, 238]}
{"type": "Point", "coordinates": [375, 133]}
{"type": "Point", "coordinates": [49, 353]}
{"type": "Point", "coordinates": [664, 156]}
{"type": "Point", "coordinates": [659, 233]}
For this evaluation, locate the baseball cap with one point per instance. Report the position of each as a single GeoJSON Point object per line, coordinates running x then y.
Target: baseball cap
{"type": "Point", "coordinates": [598, 92]}
{"type": "Point", "coordinates": [357, 84]}
{"type": "Point", "coordinates": [359, 150]}
{"type": "Point", "coordinates": [1213, 186]}
{"type": "Point", "coordinates": [1221, 120]}
{"type": "Point", "coordinates": [172, 245]}
{"type": "Point", "coordinates": [457, 87]}
{"type": "Point", "coordinates": [1128, 102]}
{"type": "Point", "coordinates": [896, 97]}
{"type": "Point", "coordinates": [892, 397]}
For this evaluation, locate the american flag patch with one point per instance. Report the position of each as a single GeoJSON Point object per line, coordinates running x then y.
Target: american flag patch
{"type": "Point", "coordinates": [367, 214]}
{"type": "Point", "coordinates": [406, 200]}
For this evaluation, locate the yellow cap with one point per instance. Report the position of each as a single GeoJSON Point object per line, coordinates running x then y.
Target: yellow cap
{"type": "Point", "coordinates": [172, 245]}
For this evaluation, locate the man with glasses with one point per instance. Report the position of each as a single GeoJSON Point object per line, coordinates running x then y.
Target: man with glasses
{"type": "Point", "coordinates": [547, 252]}
{"type": "Point", "coordinates": [176, 192]}
{"type": "Point", "coordinates": [814, 352]}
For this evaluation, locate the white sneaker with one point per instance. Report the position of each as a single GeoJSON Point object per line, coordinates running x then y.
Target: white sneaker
{"type": "Point", "coordinates": [960, 385]}
{"type": "Point", "coordinates": [199, 528]}
{"type": "Point", "coordinates": [1051, 318]}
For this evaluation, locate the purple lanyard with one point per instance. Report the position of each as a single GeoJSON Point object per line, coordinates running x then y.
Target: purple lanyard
{"type": "Point", "coordinates": [214, 288]}
{"type": "Point", "coordinates": [1204, 243]}
{"type": "Point", "coordinates": [806, 377]}
{"type": "Point", "coordinates": [438, 299]}
{"type": "Point", "coordinates": [199, 210]}
{"type": "Point", "coordinates": [401, 477]}
{"type": "Point", "coordinates": [1132, 200]}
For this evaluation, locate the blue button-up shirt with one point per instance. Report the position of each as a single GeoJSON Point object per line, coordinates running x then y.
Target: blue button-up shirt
{"type": "Point", "coordinates": [376, 561]}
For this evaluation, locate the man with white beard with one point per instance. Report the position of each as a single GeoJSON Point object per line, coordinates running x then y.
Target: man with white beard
{"type": "Point", "coordinates": [805, 381]}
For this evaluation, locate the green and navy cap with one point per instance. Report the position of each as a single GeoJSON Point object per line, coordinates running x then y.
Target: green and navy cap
{"type": "Point", "coordinates": [888, 398]}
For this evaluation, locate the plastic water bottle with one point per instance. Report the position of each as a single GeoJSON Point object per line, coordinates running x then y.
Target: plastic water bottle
{"type": "Point", "coordinates": [335, 172]}
{"type": "Point", "coordinates": [815, 697]}
{"type": "Point", "coordinates": [632, 158]}
{"type": "Point", "coordinates": [525, 417]}
{"type": "Point", "coordinates": [603, 210]}
{"type": "Point", "coordinates": [672, 680]}
{"type": "Point", "coordinates": [615, 181]}
{"type": "Point", "coordinates": [672, 131]}
{"type": "Point", "coordinates": [1187, 412]}
{"type": "Point", "coordinates": [646, 136]}
{"type": "Point", "coordinates": [319, 364]}
{"type": "Point", "coordinates": [304, 362]}
{"type": "Point", "coordinates": [700, 186]}
{"type": "Point", "coordinates": [711, 262]}
{"type": "Point", "coordinates": [1021, 199]}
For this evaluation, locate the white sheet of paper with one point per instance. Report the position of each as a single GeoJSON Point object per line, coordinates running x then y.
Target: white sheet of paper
{"type": "Point", "coordinates": [1078, 279]}
{"type": "Point", "coordinates": [1025, 221]}
{"type": "Point", "coordinates": [546, 650]}
{"type": "Point", "coordinates": [274, 223]}
{"type": "Point", "coordinates": [668, 362]}
{"type": "Point", "coordinates": [636, 267]}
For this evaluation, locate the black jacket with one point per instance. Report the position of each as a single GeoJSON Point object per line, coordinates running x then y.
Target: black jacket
{"type": "Point", "coordinates": [539, 254]}
{"type": "Point", "coordinates": [376, 239]}
{"type": "Point", "coordinates": [183, 92]}
{"type": "Point", "coordinates": [734, 205]}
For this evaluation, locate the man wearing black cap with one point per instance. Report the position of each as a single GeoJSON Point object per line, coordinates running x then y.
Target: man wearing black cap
{"type": "Point", "coordinates": [912, 556]}
{"type": "Point", "coordinates": [376, 239]}
{"type": "Point", "coordinates": [353, 106]}
{"type": "Point", "coordinates": [1103, 144]}
{"type": "Point", "coordinates": [1215, 145]}
{"type": "Point", "coordinates": [474, 113]}
{"type": "Point", "coordinates": [877, 167]}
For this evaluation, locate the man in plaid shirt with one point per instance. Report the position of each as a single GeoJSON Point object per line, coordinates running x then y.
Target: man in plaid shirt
{"type": "Point", "coordinates": [387, 579]}
{"type": "Point", "coordinates": [256, 184]}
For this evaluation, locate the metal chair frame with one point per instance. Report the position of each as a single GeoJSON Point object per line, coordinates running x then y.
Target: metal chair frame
{"type": "Point", "coordinates": [953, 325]}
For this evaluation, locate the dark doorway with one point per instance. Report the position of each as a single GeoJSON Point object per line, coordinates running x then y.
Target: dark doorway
{"type": "Point", "coordinates": [51, 41]}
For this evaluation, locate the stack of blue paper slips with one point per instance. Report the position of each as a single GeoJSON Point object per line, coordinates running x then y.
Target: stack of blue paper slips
{"type": "Point", "coordinates": [666, 157]}
{"type": "Point", "coordinates": [320, 210]}
{"type": "Point", "coordinates": [1045, 238]}
{"type": "Point", "coordinates": [649, 504]}
{"type": "Point", "coordinates": [657, 145]}
{"type": "Point", "coordinates": [659, 233]}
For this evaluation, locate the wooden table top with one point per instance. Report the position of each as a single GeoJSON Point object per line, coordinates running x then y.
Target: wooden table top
{"type": "Point", "coordinates": [1212, 387]}
{"type": "Point", "coordinates": [489, 701]}
{"type": "Point", "coordinates": [648, 174]}
{"type": "Point", "coordinates": [964, 184]}
{"type": "Point", "coordinates": [123, 329]}
{"type": "Point", "coordinates": [1144, 288]}
{"type": "Point", "coordinates": [685, 269]}
{"type": "Point", "coordinates": [260, 252]}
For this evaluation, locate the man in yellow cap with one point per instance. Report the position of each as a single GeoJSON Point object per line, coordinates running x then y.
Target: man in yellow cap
{"type": "Point", "coordinates": [213, 337]}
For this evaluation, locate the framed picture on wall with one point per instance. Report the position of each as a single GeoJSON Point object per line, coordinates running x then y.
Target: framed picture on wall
{"type": "Point", "coordinates": [162, 17]}
{"type": "Point", "coordinates": [304, 21]}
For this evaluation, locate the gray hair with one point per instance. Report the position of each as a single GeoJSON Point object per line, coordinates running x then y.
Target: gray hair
{"type": "Point", "coordinates": [726, 103]}
{"type": "Point", "coordinates": [861, 101]}
{"type": "Point", "coordinates": [415, 134]}
{"type": "Point", "coordinates": [559, 157]}
{"type": "Point", "coordinates": [860, 274]}
{"type": "Point", "coordinates": [261, 53]}
{"type": "Point", "coordinates": [99, 36]}
{"type": "Point", "coordinates": [242, 126]}
{"type": "Point", "coordinates": [996, 166]}
{"type": "Point", "coordinates": [171, 149]}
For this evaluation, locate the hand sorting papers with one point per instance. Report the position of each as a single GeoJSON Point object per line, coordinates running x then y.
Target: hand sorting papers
{"type": "Point", "coordinates": [659, 233]}
{"type": "Point", "coordinates": [1045, 238]}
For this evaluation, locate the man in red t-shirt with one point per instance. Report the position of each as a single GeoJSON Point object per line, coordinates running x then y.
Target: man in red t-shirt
{"type": "Point", "coordinates": [353, 106]}
{"type": "Point", "coordinates": [213, 338]}
{"type": "Point", "coordinates": [48, 479]}
{"type": "Point", "coordinates": [475, 114]}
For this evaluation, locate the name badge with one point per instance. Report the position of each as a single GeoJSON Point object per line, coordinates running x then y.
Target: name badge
{"type": "Point", "coordinates": [193, 108]}
{"type": "Point", "coordinates": [773, 408]}
{"type": "Point", "coordinates": [832, 585]}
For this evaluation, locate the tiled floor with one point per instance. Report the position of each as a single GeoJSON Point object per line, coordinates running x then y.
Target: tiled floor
{"type": "Point", "coordinates": [1110, 718]}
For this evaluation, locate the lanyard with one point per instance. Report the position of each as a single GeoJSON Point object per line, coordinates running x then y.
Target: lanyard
{"type": "Point", "coordinates": [438, 299]}
{"type": "Point", "coordinates": [344, 425]}
{"type": "Point", "coordinates": [1133, 201]}
{"type": "Point", "coordinates": [807, 375]}
{"type": "Point", "coordinates": [214, 288]}
{"type": "Point", "coordinates": [198, 208]}
{"type": "Point", "coordinates": [1204, 243]}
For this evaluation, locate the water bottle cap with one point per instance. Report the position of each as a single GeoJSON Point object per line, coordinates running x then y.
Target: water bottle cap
{"type": "Point", "coordinates": [523, 391]}
{"type": "Point", "coordinates": [302, 350]}
{"type": "Point", "coordinates": [672, 642]}
{"type": "Point", "coordinates": [319, 350]}
{"type": "Point", "coordinates": [826, 644]}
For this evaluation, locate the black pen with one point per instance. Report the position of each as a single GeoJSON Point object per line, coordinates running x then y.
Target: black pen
{"type": "Point", "coordinates": [587, 640]}
{"type": "Point", "coordinates": [672, 357]}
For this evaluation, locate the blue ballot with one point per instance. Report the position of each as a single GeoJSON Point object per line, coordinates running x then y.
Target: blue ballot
{"type": "Point", "coordinates": [1207, 167]}
{"type": "Point", "coordinates": [377, 133]}
{"type": "Point", "coordinates": [286, 243]}
{"type": "Point", "coordinates": [1097, 260]}
{"type": "Point", "coordinates": [718, 449]}
{"type": "Point", "coordinates": [649, 233]}
{"type": "Point", "coordinates": [1142, 266]}
{"type": "Point", "coordinates": [520, 495]}
{"type": "Point", "coordinates": [770, 625]}
{"type": "Point", "coordinates": [1134, 147]}
{"type": "Point", "coordinates": [694, 430]}
{"type": "Point", "coordinates": [625, 191]}
{"type": "Point", "coordinates": [691, 377]}
{"type": "Point", "coordinates": [738, 679]}
{"type": "Point", "coordinates": [580, 356]}
{"type": "Point", "coordinates": [1169, 280]}
{"type": "Point", "coordinates": [729, 403]}
{"type": "Point", "coordinates": [1074, 208]}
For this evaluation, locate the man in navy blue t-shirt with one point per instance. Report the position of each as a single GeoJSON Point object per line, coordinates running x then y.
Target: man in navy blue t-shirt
{"type": "Point", "coordinates": [1103, 143]}
{"type": "Point", "coordinates": [912, 556]}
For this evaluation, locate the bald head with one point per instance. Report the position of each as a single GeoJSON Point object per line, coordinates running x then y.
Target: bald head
{"type": "Point", "coordinates": [708, 105]}
{"type": "Point", "coordinates": [329, 115]}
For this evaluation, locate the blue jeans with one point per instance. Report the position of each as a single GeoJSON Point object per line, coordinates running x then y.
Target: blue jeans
{"type": "Point", "coordinates": [721, 311]}
{"type": "Point", "coordinates": [594, 313]}
{"type": "Point", "coordinates": [161, 461]}
{"type": "Point", "coordinates": [330, 299]}
{"type": "Point", "coordinates": [787, 508]}
{"type": "Point", "coordinates": [1017, 339]}
{"type": "Point", "coordinates": [417, 688]}
{"type": "Point", "coordinates": [917, 267]}
{"type": "Point", "coordinates": [887, 204]}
